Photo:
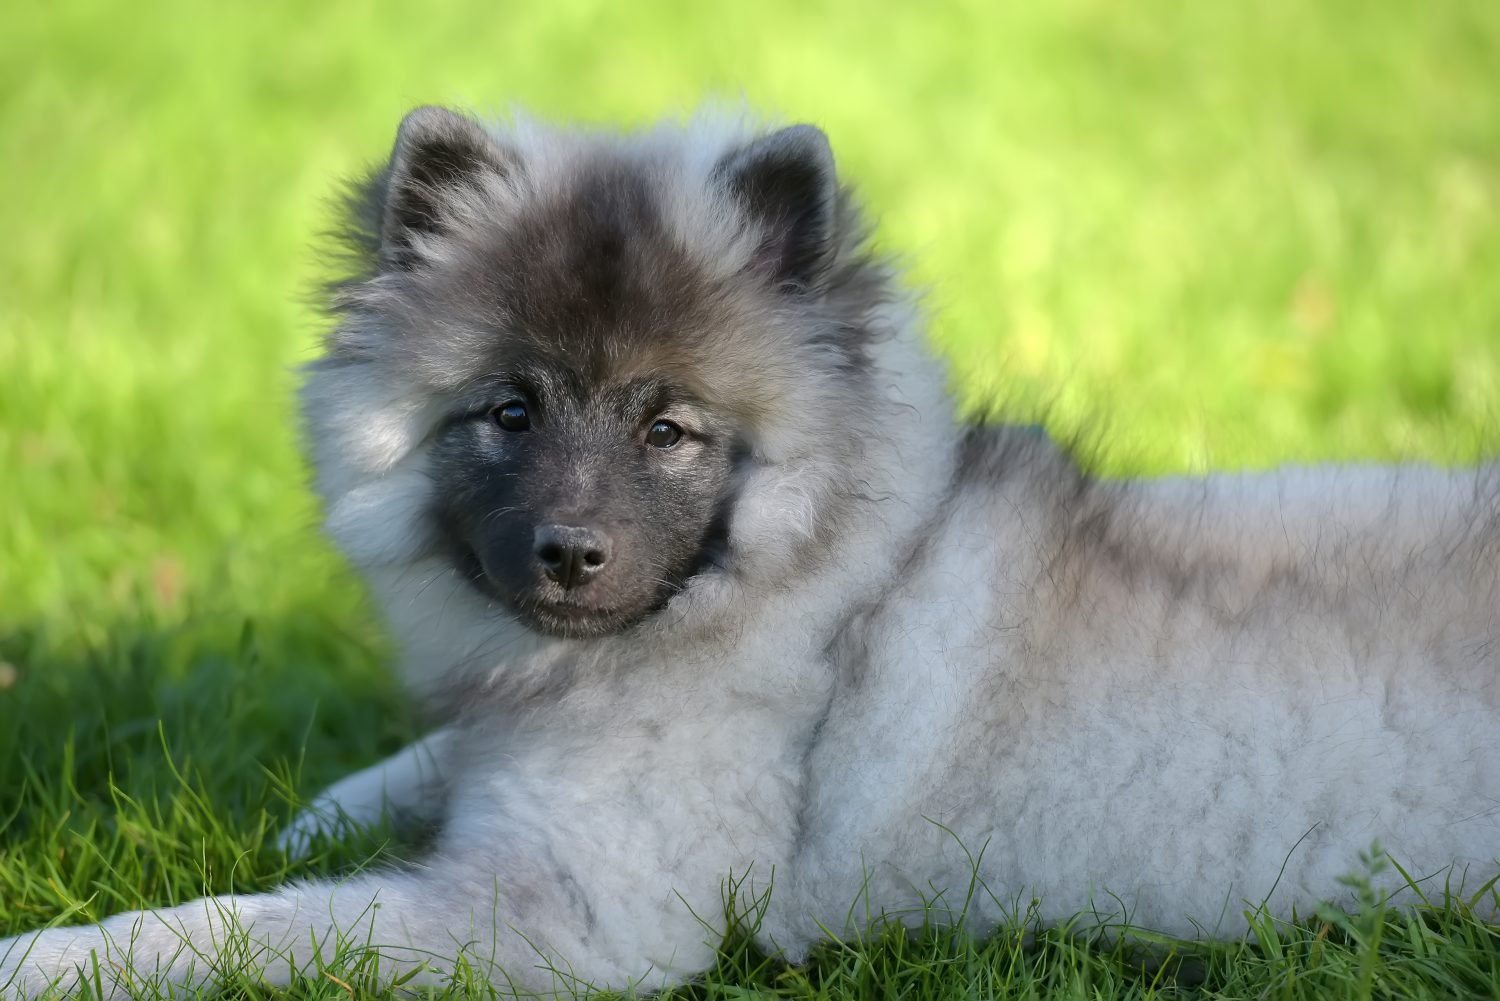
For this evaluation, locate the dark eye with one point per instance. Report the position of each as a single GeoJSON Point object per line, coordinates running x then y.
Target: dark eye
{"type": "Point", "coordinates": [663, 434]}
{"type": "Point", "coordinates": [512, 416]}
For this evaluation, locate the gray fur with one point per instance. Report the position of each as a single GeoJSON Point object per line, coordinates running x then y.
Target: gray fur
{"type": "Point", "coordinates": [877, 644]}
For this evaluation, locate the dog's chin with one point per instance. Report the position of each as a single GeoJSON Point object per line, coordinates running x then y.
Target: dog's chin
{"type": "Point", "coordinates": [570, 621]}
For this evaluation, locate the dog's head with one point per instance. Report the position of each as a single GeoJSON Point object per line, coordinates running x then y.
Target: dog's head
{"type": "Point", "coordinates": [584, 370]}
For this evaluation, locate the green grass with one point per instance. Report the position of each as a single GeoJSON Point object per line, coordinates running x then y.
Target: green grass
{"type": "Point", "coordinates": [1210, 235]}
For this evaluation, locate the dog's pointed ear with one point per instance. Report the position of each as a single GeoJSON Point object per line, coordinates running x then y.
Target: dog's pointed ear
{"type": "Point", "coordinates": [786, 183]}
{"type": "Point", "coordinates": [437, 151]}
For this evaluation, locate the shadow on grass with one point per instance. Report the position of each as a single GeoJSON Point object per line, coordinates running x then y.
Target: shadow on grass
{"type": "Point", "coordinates": [158, 766]}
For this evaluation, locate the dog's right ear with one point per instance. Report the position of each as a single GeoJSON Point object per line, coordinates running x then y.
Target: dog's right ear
{"type": "Point", "coordinates": [437, 152]}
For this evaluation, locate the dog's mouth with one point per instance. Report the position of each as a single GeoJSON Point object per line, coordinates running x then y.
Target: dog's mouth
{"type": "Point", "coordinates": [553, 612]}
{"type": "Point", "coordinates": [570, 621]}
{"type": "Point", "coordinates": [565, 618]}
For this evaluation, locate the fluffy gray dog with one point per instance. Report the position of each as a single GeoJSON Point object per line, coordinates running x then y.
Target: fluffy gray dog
{"type": "Point", "coordinates": [641, 450]}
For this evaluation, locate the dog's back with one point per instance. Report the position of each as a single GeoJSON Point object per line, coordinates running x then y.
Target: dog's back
{"type": "Point", "coordinates": [1158, 700]}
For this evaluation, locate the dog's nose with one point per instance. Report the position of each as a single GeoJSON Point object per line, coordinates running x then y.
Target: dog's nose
{"type": "Point", "coordinates": [572, 555]}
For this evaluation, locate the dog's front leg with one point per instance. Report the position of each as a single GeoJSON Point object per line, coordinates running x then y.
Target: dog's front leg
{"type": "Point", "coordinates": [407, 787]}
{"type": "Point", "coordinates": [417, 922]}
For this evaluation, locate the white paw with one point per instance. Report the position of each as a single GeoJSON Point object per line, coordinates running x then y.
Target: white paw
{"type": "Point", "coordinates": [126, 953]}
{"type": "Point", "coordinates": [319, 822]}
{"type": "Point", "coordinates": [354, 803]}
{"type": "Point", "coordinates": [33, 963]}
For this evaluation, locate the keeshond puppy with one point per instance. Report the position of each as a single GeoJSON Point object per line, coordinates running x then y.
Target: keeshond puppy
{"type": "Point", "coordinates": [640, 448]}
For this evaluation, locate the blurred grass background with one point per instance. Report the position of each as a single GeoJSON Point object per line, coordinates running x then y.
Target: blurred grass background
{"type": "Point", "coordinates": [1212, 235]}
{"type": "Point", "coordinates": [1228, 235]}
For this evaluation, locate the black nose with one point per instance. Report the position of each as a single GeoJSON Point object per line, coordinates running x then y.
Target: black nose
{"type": "Point", "coordinates": [572, 555]}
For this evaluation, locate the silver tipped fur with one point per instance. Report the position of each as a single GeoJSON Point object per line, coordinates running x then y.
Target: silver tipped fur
{"type": "Point", "coordinates": [801, 621]}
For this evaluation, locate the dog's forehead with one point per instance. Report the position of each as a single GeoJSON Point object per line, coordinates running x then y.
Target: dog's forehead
{"type": "Point", "coordinates": [566, 390]}
{"type": "Point", "coordinates": [590, 269]}
{"type": "Point", "coordinates": [587, 277]}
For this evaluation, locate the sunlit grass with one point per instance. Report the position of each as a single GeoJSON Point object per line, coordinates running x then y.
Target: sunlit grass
{"type": "Point", "coordinates": [1206, 235]}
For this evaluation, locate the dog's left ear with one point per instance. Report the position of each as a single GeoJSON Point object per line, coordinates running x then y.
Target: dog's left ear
{"type": "Point", "coordinates": [786, 183]}
{"type": "Point", "coordinates": [437, 152]}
